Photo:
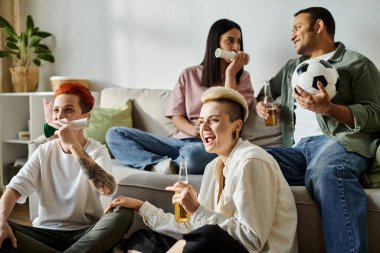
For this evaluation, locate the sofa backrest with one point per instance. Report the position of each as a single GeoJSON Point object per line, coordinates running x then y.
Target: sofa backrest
{"type": "Point", "coordinates": [149, 107]}
{"type": "Point", "coordinates": [256, 132]}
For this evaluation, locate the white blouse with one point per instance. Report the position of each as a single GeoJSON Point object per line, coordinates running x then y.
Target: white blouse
{"type": "Point", "coordinates": [256, 206]}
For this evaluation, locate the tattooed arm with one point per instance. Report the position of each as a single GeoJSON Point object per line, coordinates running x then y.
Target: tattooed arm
{"type": "Point", "coordinates": [103, 182]}
{"type": "Point", "coordinates": [99, 178]}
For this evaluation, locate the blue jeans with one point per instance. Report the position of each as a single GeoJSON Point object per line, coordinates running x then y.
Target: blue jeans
{"type": "Point", "coordinates": [139, 149]}
{"type": "Point", "coordinates": [331, 175]}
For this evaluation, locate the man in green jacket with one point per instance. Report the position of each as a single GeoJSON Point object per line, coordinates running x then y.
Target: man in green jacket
{"type": "Point", "coordinates": [329, 144]}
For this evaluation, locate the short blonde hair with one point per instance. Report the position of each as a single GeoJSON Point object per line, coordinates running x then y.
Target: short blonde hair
{"type": "Point", "coordinates": [228, 94]}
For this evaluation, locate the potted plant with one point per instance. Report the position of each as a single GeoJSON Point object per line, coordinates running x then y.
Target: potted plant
{"type": "Point", "coordinates": [27, 52]}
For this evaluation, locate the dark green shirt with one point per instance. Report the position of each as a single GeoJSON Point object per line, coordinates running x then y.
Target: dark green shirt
{"type": "Point", "coordinates": [359, 89]}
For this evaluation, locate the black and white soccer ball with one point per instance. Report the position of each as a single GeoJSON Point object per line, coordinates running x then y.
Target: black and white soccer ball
{"type": "Point", "coordinates": [310, 71]}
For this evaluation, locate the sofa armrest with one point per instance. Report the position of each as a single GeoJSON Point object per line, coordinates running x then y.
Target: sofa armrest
{"type": "Point", "coordinates": [149, 186]}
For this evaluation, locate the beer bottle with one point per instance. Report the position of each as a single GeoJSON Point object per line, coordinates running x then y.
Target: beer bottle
{"type": "Point", "coordinates": [270, 105]}
{"type": "Point", "coordinates": [179, 212]}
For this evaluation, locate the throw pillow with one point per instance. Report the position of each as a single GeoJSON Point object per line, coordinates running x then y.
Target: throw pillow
{"type": "Point", "coordinates": [48, 109]}
{"type": "Point", "coordinates": [102, 119]}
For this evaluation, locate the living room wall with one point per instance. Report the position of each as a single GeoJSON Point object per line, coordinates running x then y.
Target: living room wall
{"type": "Point", "coordinates": [147, 43]}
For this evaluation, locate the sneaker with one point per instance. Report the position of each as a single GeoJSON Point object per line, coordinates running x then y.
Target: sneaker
{"type": "Point", "coordinates": [164, 167]}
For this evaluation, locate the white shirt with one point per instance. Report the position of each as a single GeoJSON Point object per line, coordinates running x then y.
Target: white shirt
{"type": "Point", "coordinates": [306, 120]}
{"type": "Point", "coordinates": [256, 207]}
{"type": "Point", "coordinates": [67, 201]}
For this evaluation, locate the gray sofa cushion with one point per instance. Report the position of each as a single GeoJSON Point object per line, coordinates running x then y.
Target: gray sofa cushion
{"type": "Point", "coordinates": [256, 132]}
{"type": "Point", "coordinates": [148, 107]}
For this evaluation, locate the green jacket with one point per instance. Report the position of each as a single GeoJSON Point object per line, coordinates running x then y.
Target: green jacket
{"type": "Point", "coordinates": [359, 89]}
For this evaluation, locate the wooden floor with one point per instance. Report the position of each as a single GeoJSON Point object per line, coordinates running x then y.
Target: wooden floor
{"type": "Point", "coordinates": [20, 214]}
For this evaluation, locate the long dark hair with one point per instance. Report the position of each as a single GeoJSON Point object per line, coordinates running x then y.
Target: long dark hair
{"type": "Point", "coordinates": [211, 75]}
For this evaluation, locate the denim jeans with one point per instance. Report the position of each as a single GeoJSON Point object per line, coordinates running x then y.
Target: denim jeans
{"type": "Point", "coordinates": [139, 149]}
{"type": "Point", "coordinates": [331, 175]}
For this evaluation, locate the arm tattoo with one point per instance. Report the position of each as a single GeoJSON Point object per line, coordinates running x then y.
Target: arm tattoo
{"type": "Point", "coordinates": [99, 177]}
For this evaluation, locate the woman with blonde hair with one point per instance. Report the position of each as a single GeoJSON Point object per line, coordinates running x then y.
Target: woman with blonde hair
{"type": "Point", "coordinates": [244, 204]}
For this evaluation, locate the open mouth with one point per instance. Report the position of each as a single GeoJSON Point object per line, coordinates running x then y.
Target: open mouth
{"type": "Point", "coordinates": [209, 139]}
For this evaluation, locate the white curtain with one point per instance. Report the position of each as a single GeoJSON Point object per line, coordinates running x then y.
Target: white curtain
{"type": "Point", "coordinates": [11, 11]}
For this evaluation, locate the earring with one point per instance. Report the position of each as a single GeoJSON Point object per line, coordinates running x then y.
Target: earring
{"type": "Point", "coordinates": [234, 135]}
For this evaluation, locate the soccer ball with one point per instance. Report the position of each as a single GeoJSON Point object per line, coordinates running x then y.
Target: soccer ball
{"type": "Point", "coordinates": [310, 71]}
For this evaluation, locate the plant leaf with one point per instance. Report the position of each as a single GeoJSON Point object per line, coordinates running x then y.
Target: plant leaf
{"type": "Point", "coordinates": [42, 34]}
{"type": "Point", "coordinates": [42, 46]}
{"type": "Point", "coordinates": [5, 24]}
{"type": "Point", "coordinates": [34, 40]}
{"type": "Point", "coordinates": [41, 51]}
{"type": "Point", "coordinates": [29, 22]}
{"type": "Point", "coordinates": [24, 39]}
{"type": "Point", "coordinates": [11, 39]}
{"type": "Point", "coordinates": [8, 27]}
{"type": "Point", "coordinates": [46, 57]}
{"type": "Point", "coordinates": [37, 62]}
{"type": "Point", "coordinates": [29, 25]}
{"type": "Point", "coordinates": [5, 53]}
{"type": "Point", "coordinates": [12, 45]}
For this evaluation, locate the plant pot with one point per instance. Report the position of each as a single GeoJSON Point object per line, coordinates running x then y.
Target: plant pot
{"type": "Point", "coordinates": [25, 79]}
{"type": "Point", "coordinates": [56, 81]}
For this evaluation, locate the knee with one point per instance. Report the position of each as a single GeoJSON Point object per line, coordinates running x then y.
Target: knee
{"type": "Point", "coordinates": [196, 164]}
{"type": "Point", "coordinates": [192, 153]}
{"type": "Point", "coordinates": [194, 169]}
{"type": "Point", "coordinates": [197, 157]}
{"type": "Point", "coordinates": [124, 212]}
{"type": "Point", "coordinates": [321, 182]}
{"type": "Point", "coordinates": [112, 134]}
{"type": "Point", "coordinates": [116, 133]}
{"type": "Point", "coordinates": [193, 150]}
{"type": "Point", "coordinates": [123, 215]}
{"type": "Point", "coordinates": [329, 174]}
{"type": "Point", "coordinates": [318, 178]}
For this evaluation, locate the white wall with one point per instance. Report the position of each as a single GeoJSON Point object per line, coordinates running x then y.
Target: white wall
{"type": "Point", "coordinates": [147, 43]}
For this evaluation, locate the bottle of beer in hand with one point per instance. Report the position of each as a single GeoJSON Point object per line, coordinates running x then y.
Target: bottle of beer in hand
{"type": "Point", "coordinates": [270, 105]}
{"type": "Point", "coordinates": [179, 212]}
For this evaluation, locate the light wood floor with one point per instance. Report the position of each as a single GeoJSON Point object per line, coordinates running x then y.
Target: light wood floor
{"type": "Point", "coordinates": [20, 214]}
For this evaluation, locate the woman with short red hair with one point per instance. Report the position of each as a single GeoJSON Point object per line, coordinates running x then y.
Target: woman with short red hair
{"type": "Point", "coordinates": [68, 173]}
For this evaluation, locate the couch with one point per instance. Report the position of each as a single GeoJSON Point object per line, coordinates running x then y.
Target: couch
{"type": "Point", "coordinates": [148, 110]}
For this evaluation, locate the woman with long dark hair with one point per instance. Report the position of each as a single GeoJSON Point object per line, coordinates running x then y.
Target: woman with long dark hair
{"type": "Point", "coordinates": [163, 154]}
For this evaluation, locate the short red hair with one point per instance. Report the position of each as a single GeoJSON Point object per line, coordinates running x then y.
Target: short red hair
{"type": "Point", "coordinates": [86, 99]}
